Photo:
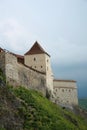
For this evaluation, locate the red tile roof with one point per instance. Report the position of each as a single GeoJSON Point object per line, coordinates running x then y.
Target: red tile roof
{"type": "Point", "coordinates": [1, 49]}
{"type": "Point", "coordinates": [36, 49]}
{"type": "Point", "coordinates": [19, 56]}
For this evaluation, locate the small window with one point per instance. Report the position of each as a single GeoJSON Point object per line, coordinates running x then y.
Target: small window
{"type": "Point", "coordinates": [47, 60]}
{"type": "Point", "coordinates": [69, 90]}
{"type": "Point", "coordinates": [35, 67]}
{"type": "Point", "coordinates": [56, 90]}
{"type": "Point", "coordinates": [62, 90]}
{"type": "Point", "coordinates": [34, 59]}
{"type": "Point", "coordinates": [41, 66]}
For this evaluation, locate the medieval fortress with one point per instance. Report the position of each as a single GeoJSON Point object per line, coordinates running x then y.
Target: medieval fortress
{"type": "Point", "coordinates": [33, 70]}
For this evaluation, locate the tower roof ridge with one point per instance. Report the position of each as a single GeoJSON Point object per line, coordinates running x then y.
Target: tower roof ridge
{"type": "Point", "coordinates": [36, 49]}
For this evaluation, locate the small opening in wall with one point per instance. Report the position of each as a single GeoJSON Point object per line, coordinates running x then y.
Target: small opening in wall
{"type": "Point", "coordinates": [62, 90]}
{"type": "Point", "coordinates": [63, 107]}
{"type": "Point", "coordinates": [34, 59]}
{"type": "Point", "coordinates": [41, 66]}
{"type": "Point", "coordinates": [35, 67]}
{"type": "Point", "coordinates": [69, 90]}
{"type": "Point", "coordinates": [55, 93]}
{"type": "Point", "coordinates": [47, 60]}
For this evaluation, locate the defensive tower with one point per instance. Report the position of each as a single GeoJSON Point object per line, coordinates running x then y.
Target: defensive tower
{"type": "Point", "coordinates": [37, 58]}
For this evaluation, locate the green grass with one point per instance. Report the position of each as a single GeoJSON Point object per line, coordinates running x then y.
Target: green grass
{"type": "Point", "coordinates": [40, 114]}
{"type": "Point", "coordinates": [23, 109]}
{"type": "Point", "coordinates": [2, 128]}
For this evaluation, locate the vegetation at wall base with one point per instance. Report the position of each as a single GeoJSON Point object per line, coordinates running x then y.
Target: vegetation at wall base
{"type": "Point", "coordinates": [23, 109]}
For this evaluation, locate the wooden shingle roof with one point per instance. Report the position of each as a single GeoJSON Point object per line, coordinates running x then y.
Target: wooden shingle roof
{"type": "Point", "coordinates": [36, 49]}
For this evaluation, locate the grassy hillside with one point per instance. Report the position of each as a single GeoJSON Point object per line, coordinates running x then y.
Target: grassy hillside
{"type": "Point", "coordinates": [83, 103]}
{"type": "Point", "coordinates": [22, 109]}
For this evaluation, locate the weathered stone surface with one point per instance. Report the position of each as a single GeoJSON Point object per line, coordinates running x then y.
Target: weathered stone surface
{"type": "Point", "coordinates": [36, 73]}
{"type": "Point", "coordinates": [18, 74]}
{"type": "Point", "coordinates": [65, 92]}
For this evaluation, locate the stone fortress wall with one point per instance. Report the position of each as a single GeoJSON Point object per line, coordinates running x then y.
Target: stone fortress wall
{"type": "Point", "coordinates": [34, 71]}
{"type": "Point", "coordinates": [41, 62]}
{"type": "Point", "coordinates": [18, 74]}
{"type": "Point", "coordinates": [65, 92]}
{"type": "Point", "coordinates": [2, 61]}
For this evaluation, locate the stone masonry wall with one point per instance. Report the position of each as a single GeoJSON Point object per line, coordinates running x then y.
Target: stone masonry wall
{"type": "Point", "coordinates": [41, 62]}
{"type": "Point", "coordinates": [18, 74]}
{"type": "Point", "coordinates": [65, 92]}
{"type": "Point", "coordinates": [11, 68]}
{"type": "Point", "coordinates": [31, 79]}
{"type": "Point", "coordinates": [2, 61]}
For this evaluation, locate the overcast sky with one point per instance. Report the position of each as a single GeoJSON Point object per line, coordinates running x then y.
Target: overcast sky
{"type": "Point", "coordinates": [60, 26]}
